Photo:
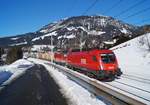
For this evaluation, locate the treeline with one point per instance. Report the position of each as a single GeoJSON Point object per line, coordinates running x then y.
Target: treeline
{"type": "Point", "coordinates": [14, 54]}
{"type": "Point", "coordinates": [1, 52]}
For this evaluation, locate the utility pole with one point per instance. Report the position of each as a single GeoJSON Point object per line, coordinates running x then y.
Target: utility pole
{"type": "Point", "coordinates": [81, 37]}
{"type": "Point", "coordinates": [52, 53]}
{"type": "Point", "coordinates": [81, 41]}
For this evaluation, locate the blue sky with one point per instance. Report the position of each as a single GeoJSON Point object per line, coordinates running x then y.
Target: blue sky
{"type": "Point", "coordinates": [22, 16]}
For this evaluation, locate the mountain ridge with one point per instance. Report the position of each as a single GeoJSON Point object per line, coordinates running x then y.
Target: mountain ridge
{"type": "Point", "coordinates": [88, 31]}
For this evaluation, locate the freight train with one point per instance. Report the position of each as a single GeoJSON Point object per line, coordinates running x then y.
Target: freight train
{"type": "Point", "coordinates": [99, 64]}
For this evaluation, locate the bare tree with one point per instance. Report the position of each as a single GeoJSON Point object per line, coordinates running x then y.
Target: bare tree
{"type": "Point", "coordinates": [145, 40]}
{"type": "Point", "coordinates": [148, 41]}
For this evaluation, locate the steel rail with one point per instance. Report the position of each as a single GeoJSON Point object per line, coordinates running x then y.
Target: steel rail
{"type": "Point", "coordinates": [132, 86]}
{"type": "Point", "coordinates": [130, 92]}
{"type": "Point", "coordinates": [132, 76]}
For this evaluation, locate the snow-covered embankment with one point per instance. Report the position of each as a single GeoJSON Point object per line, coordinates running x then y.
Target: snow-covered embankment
{"type": "Point", "coordinates": [13, 71]}
{"type": "Point", "coordinates": [77, 94]}
{"type": "Point", "coordinates": [134, 56]}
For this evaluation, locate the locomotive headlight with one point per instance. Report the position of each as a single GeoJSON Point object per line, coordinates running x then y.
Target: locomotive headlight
{"type": "Point", "coordinates": [111, 67]}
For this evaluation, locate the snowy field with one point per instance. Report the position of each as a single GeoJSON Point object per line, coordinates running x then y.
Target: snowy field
{"type": "Point", "coordinates": [134, 60]}
{"type": "Point", "coordinates": [134, 56]}
{"type": "Point", "coordinates": [13, 71]}
{"type": "Point", "coordinates": [73, 91]}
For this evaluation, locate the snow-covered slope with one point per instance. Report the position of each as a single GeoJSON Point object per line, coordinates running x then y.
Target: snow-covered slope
{"type": "Point", "coordinates": [134, 56]}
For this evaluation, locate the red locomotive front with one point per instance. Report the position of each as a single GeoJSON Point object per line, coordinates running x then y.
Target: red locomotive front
{"type": "Point", "coordinates": [100, 63]}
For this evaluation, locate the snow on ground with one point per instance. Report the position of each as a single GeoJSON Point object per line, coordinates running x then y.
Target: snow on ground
{"type": "Point", "coordinates": [110, 42]}
{"type": "Point", "coordinates": [134, 60]}
{"type": "Point", "coordinates": [37, 38]}
{"type": "Point", "coordinates": [60, 37]}
{"type": "Point", "coordinates": [94, 32]}
{"type": "Point", "coordinates": [16, 44]}
{"type": "Point", "coordinates": [103, 22]}
{"type": "Point", "coordinates": [73, 91]}
{"type": "Point", "coordinates": [70, 36]}
{"type": "Point", "coordinates": [49, 34]}
{"type": "Point", "coordinates": [46, 35]}
{"type": "Point", "coordinates": [80, 27]}
{"type": "Point", "coordinates": [67, 36]}
{"type": "Point", "coordinates": [71, 28]}
{"type": "Point", "coordinates": [124, 31]}
{"type": "Point", "coordinates": [14, 38]}
{"type": "Point", "coordinates": [16, 69]}
{"type": "Point", "coordinates": [134, 57]}
{"type": "Point", "coordinates": [44, 30]}
{"type": "Point", "coordinates": [40, 47]}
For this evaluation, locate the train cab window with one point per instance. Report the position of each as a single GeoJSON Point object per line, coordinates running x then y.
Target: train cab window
{"type": "Point", "coordinates": [94, 58]}
{"type": "Point", "coordinates": [108, 58]}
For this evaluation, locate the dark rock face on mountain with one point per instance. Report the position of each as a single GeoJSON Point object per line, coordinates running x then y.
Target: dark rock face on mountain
{"type": "Point", "coordinates": [145, 29]}
{"type": "Point", "coordinates": [75, 32]}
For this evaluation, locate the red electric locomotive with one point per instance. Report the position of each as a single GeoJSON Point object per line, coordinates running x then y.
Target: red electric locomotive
{"type": "Point", "coordinates": [59, 58]}
{"type": "Point", "coordinates": [99, 63]}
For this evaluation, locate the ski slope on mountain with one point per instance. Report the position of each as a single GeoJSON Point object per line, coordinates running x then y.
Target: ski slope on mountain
{"type": "Point", "coordinates": [134, 56]}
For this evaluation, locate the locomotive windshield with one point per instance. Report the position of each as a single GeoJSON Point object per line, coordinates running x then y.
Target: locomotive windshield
{"type": "Point", "coordinates": [108, 58]}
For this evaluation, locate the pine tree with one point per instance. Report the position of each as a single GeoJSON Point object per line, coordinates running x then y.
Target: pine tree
{"type": "Point", "coordinates": [1, 52]}
{"type": "Point", "coordinates": [14, 54]}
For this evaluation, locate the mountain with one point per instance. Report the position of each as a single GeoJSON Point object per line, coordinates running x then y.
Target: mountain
{"type": "Point", "coordinates": [24, 39]}
{"type": "Point", "coordinates": [79, 31]}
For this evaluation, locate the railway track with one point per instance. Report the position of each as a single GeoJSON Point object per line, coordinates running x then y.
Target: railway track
{"type": "Point", "coordinates": [136, 91]}
{"type": "Point", "coordinates": [139, 89]}
{"type": "Point", "coordinates": [134, 87]}
{"type": "Point", "coordinates": [104, 90]}
{"type": "Point", "coordinates": [136, 78]}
